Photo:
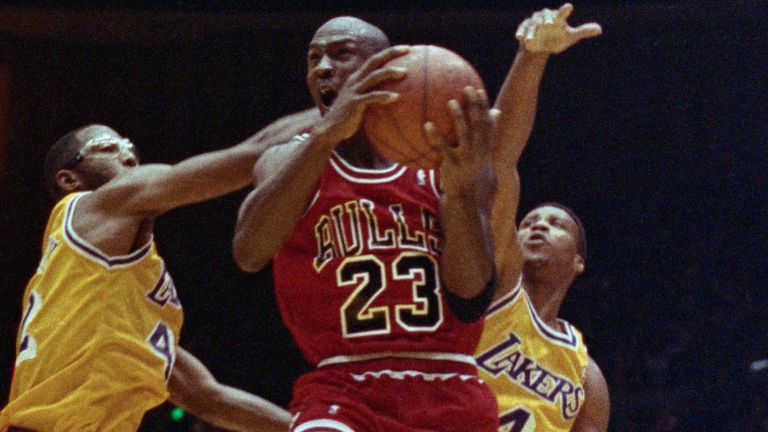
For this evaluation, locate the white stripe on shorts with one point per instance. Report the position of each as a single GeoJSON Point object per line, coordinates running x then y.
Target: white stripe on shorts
{"type": "Point", "coordinates": [323, 423]}
{"type": "Point", "coordinates": [439, 356]}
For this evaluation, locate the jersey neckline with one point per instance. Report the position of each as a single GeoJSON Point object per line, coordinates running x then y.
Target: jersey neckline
{"type": "Point", "coordinates": [365, 175]}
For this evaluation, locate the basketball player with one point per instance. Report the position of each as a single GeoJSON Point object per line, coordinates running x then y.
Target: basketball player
{"type": "Point", "coordinates": [536, 363]}
{"type": "Point", "coordinates": [381, 279]}
{"type": "Point", "coordinates": [97, 344]}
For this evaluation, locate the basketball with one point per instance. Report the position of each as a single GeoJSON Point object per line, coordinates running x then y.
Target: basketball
{"type": "Point", "coordinates": [435, 75]}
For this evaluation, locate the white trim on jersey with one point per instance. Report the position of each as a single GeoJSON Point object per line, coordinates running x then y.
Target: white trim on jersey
{"type": "Point", "coordinates": [433, 183]}
{"type": "Point", "coordinates": [348, 171]}
{"type": "Point", "coordinates": [417, 355]}
{"type": "Point", "coordinates": [373, 171]}
{"type": "Point", "coordinates": [323, 423]}
{"type": "Point", "coordinates": [87, 250]}
{"type": "Point", "coordinates": [311, 203]}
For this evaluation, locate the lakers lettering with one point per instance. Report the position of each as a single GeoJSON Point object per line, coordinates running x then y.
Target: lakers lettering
{"type": "Point", "coordinates": [507, 359]}
{"type": "Point", "coordinates": [164, 291]}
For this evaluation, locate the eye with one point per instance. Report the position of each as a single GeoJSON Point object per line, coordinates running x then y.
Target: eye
{"type": "Point", "coordinates": [110, 147]}
{"type": "Point", "coordinates": [344, 53]}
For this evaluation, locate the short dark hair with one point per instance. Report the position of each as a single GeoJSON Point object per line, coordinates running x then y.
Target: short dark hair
{"type": "Point", "coordinates": [582, 241]}
{"type": "Point", "coordinates": [60, 152]}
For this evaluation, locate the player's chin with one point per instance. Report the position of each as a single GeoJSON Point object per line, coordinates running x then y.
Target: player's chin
{"type": "Point", "coordinates": [535, 255]}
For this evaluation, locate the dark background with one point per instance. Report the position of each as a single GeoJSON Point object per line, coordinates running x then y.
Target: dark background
{"type": "Point", "coordinates": [655, 133]}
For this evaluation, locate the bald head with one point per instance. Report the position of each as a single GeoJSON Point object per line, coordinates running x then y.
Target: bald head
{"type": "Point", "coordinates": [364, 33]}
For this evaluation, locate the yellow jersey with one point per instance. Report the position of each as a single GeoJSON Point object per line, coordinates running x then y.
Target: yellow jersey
{"type": "Point", "coordinates": [98, 335]}
{"type": "Point", "coordinates": [536, 372]}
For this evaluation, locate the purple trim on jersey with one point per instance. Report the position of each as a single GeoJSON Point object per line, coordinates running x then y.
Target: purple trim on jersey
{"type": "Point", "coordinates": [92, 251]}
{"type": "Point", "coordinates": [503, 301]}
{"type": "Point", "coordinates": [569, 338]}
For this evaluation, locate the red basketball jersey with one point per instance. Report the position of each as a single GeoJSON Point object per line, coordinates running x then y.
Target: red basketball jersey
{"type": "Point", "coordinates": [361, 272]}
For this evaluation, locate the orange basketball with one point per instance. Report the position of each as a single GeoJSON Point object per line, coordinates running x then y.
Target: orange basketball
{"type": "Point", "coordinates": [434, 76]}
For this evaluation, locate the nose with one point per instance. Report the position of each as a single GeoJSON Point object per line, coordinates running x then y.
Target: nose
{"type": "Point", "coordinates": [324, 68]}
{"type": "Point", "coordinates": [539, 225]}
{"type": "Point", "coordinates": [129, 159]}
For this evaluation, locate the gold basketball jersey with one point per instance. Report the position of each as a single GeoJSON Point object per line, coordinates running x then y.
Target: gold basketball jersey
{"type": "Point", "coordinates": [536, 372]}
{"type": "Point", "coordinates": [98, 335]}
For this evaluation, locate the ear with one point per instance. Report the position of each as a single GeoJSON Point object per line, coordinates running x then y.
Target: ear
{"type": "Point", "coordinates": [68, 181]}
{"type": "Point", "coordinates": [578, 264]}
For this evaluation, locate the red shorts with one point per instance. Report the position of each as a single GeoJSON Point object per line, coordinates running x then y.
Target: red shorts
{"type": "Point", "coordinates": [394, 395]}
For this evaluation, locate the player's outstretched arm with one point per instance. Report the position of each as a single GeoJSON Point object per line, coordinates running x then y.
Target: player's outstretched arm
{"type": "Point", "coordinates": [544, 33]}
{"type": "Point", "coordinates": [149, 190]}
{"type": "Point", "coordinates": [286, 177]}
{"type": "Point", "coordinates": [595, 413]}
{"type": "Point", "coordinates": [195, 389]}
{"type": "Point", "coordinates": [468, 183]}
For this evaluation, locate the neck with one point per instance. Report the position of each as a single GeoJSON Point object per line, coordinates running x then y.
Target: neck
{"type": "Point", "coordinates": [547, 290]}
{"type": "Point", "coordinates": [360, 153]}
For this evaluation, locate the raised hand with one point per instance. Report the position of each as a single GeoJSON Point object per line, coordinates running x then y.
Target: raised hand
{"type": "Point", "coordinates": [343, 120]}
{"type": "Point", "coordinates": [467, 167]}
{"type": "Point", "coordinates": [548, 32]}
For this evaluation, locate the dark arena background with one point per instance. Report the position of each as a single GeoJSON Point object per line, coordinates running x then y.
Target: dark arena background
{"type": "Point", "coordinates": [656, 133]}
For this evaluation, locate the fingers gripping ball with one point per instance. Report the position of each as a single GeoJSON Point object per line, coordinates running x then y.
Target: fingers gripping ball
{"type": "Point", "coordinates": [434, 76]}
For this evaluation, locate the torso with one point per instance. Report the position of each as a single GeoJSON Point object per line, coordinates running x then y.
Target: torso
{"type": "Point", "coordinates": [361, 273]}
{"type": "Point", "coordinates": [536, 371]}
{"type": "Point", "coordinates": [98, 336]}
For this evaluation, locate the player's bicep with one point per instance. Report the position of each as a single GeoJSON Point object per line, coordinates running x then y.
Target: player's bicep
{"type": "Point", "coordinates": [595, 414]}
{"type": "Point", "coordinates": [507, 253]}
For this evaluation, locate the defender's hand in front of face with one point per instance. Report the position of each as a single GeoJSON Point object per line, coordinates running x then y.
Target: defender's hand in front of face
{"type": "Point", "coordinates": [548, 32]}
{"type": "Point", "coordinates": [343, 119]}
{"type": "Point", "coordinates": [467, 167]}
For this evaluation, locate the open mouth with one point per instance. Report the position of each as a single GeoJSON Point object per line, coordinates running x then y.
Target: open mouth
{"type": "Point", "coordinates": [328, 96]}
{"type": "Point", "coordinates": [536, 238]}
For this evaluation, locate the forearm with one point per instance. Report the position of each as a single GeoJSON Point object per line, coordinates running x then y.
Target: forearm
{"type": "Point", "coordinates": [217, 173]}
{"type": "Point", "coordinates": [271, 212]}
{"type": "Point", "coordinates": [467, 261]}
{"type": "Point", "coordinates": [153, 189]}
{"type": "Point", "coordinates": [517, 102]}
{"type": "Point", "coordinates": [237, 410]}
{"type": "Point", "coordinates": [193, 387]}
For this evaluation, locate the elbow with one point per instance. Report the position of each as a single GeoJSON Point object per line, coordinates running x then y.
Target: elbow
{"type": "Point", "coordinates": [245, 257]}
{"type": "Point", "coordinates": [204, 405]}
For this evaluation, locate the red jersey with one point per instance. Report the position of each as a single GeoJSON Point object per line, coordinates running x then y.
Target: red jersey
{"type": "Point", "coordinates": [360, 276]}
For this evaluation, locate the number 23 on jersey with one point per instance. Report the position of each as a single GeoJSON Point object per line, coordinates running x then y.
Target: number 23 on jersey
{"type": "Point", "coordinates": [369, 275]}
